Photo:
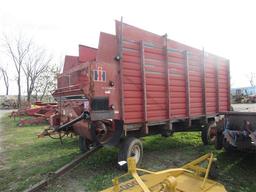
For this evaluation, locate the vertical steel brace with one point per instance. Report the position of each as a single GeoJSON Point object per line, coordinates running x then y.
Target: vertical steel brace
{"type": "Point", "coordinates": [167, 77]}
{"type": "Point", "coordinates": [228, 93]}
{"type": "Point", "coordinates": [144, 86]}
{"type": "Point", "coordinates": [203, 83]}
{"type": "Point", "coordinates": [121, 68]}
{"type": "Point", "coordinates": [187, 85]}
{"type": "Point", "coordinates": [217, 86]}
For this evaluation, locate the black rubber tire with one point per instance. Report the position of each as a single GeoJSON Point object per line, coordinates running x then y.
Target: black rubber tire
{"type": "Point", "coordinates": [83, 146]}
{"type": "Point", "coordinates": [213, 173]}
{"type": "Point", "coordinates": [204, 134]}
{"type": "Point", "coordinates": [126, 149]}
{"type": "Point", "coordinates": [219, 141]}
{"type": "Point", "coordinates": [166, 133]}
{"type": "Point", "coordinates": [228, 148]}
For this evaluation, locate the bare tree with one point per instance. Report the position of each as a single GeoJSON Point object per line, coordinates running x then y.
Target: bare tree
{"type": "Point", "coordinates": [252, 79]}
{"type": "Point", "coordinates": [46, 83]}
{"type": "Point", "coordinates": [17, 50]}
{"type": "Point", "coordinates": [35, 65]}
{"type": "Point", "coordinates": [6, 79]}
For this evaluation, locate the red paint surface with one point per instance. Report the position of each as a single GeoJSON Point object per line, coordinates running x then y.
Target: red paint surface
{"type": "Point", "coordinates": [127, 77]}
{"type": "Point", "coordinates": [86, 53]}
{"type": "Point", "coordinates": [70, 62]}
{"type": "Point", "coordinates": [155, 72]}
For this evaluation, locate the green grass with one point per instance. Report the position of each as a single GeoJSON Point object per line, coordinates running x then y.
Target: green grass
{"type": "Point", "coordinates": [29, 159]}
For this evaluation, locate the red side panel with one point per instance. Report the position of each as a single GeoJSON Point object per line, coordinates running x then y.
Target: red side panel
{"type": "Point", "coordinates": [132, 82]}
{"type": "Point", "coordinates": [107, 48]}
{"type": "Point", "coordinates": [223, 85]}
{"type": "Point", "coordinates": [177, 79]}
{"type": "Point", "coordinates": [70, 62]}
{"type": "Point", "coordinates": [211, 84]}
{"type": "Point", "coordinates": [154, 69]}
{"type": "Point", "coordinates": [164, 79]}
{"type": "Point", "coordinates": [133, 33]}
{"type": "Point", "coordinates": [86, 53]}
{"type": "Point", "coordinates": [195, 77]}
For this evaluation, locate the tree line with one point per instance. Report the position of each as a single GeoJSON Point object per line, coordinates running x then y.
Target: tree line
{"type": "Point", "coordinates": [29, 62]}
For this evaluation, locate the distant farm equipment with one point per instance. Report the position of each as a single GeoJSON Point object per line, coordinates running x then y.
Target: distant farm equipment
{"type": "Point", "coordinates": [244, 95]}
{"type": "Point", "coordinates": [237, 132]}
{"type": "Point", "coordinates": [38, 112]}
{"type": "Point", "coordinates": [9, 104]}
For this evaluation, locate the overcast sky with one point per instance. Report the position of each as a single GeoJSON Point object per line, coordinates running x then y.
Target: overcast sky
{"type": "Point", "coordinates": [226, 28]}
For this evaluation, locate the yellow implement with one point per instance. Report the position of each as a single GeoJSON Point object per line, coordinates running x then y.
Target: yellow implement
{"type": "Point", "coordinates": [192, 177]}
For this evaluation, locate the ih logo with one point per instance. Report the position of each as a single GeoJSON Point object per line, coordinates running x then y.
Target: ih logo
{"type": "Point", "coordinates": [99, 75]}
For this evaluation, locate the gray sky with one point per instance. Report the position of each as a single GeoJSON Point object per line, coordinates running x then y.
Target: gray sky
{"type": "Point", "coordinates": [222, 27]}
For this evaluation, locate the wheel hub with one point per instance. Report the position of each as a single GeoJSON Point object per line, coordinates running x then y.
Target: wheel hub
{"type": "Point", "coordinates": [135, 152]}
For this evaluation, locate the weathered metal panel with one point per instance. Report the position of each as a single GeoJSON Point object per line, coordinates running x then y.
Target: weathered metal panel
{"type": "Point", "coordinates": [86, 53]}
{"type": "Point", "coordinates": [202, 90]}
{"type": "Point", "coordinates": [70, 62]}
{"type": "Point", "coordinates": [133, 82]}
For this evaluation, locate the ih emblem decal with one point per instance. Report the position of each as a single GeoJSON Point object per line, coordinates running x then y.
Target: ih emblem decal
{"type": "Point", "coordinates": [99, 75]}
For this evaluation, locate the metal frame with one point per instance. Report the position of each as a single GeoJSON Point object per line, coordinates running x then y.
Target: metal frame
{"type": "Point", "coordinates": [121, 69]}
{"type": "Point", "coordinates": [203, 83]}
{"type": "Point", "coordinates": [167, 77]}
{"type": "Point", "coordinates": [228, 95]}
{"type": "Point", "coordinates": [217, 86]}
{"type": "Point", "coordinates": [187, 85]}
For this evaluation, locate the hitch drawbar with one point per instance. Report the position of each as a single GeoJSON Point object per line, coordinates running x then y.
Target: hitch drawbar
{"type": "Point", "coordinates": [84, 116]}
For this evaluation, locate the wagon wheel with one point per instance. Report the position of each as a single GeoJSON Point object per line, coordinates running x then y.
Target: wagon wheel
{"type": "Point", "coordinates": [208, 133]}
{"type": "Point", "coordinates": [130, 147]}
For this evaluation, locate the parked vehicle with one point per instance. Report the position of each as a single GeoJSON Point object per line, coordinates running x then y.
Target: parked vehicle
{"type": "Point", "coordinates": [136, 84]}
{"type": "Point", "coordinates": [243, 95]}
{"type": "Point", "coordinates": [237, 131]}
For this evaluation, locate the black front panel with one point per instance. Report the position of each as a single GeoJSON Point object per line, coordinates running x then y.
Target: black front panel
{"type": "Point", "coordinates": [100, 103]}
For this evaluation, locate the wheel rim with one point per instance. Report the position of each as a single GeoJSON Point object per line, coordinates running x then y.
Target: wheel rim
{"type": "Point", "coordinates": [135, 152]}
